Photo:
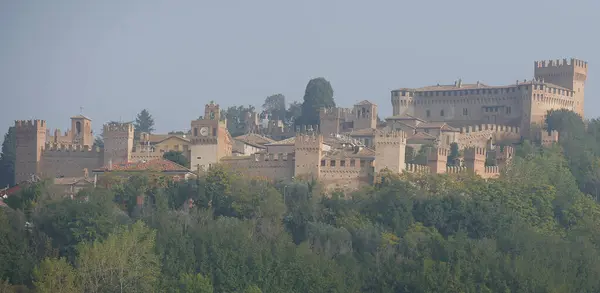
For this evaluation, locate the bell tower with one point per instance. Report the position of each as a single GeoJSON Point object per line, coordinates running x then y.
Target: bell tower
{"type": "Point", "coordinates": [81, 131]}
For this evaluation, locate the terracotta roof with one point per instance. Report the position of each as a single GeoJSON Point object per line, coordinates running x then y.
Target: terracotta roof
{"type": "Point", "coordinates": [363, 132]}
{"type": "Point", "coordinates": [161, 165]}
{"type": "Point", "coordinates": [254, 139]}
{"type": "Point", "coordinates": [80, 117]}
{"type": "Point", "coordinates": [364, 102]}
{"type": "Point", "coordinates": [420, 136]}
{"type": "Point", "coordinates": [478, 86]}
{"type": "Point", "coordinates": [158, 138]}
{"type": "Point", "coordinates": [10, 191]}
{"type": "Point", "coordinates": [438, 125]}
{"type": "Point", "coordinates": [405, 117]}
{"type": "Point", "coordinates": [287, 141]}
{"type": "Point", "coordinates": [348, 153]}
{"type": "Point", "coordinates": [71, 180]}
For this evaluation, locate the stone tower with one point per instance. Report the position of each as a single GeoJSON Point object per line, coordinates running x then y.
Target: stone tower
{"type": "Point", "coordinates": [570, 74]}
{"type": "Point", "coordinates": [437, 159]}
{"type": "Point", "coordinates": [308, 154]}
{"type": "Point", "coordinates": [474, 158]}
{"type": "Point", "coordinates": [210, 139]}
{"type": "Point", "coordinates": [212, 111]}
{"type": "Point", "coordinates": [390, 147]}
{"type": "Point", "coordinates": [118, 143]}
{"type": "Point", "coordinates": [365, 115]}
{"type": "Point", "coordinates": [30, 140]}
{"type": "Point", "coordinates": [81, 131]}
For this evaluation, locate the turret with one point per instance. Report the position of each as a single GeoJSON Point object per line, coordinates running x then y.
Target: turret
{"type": "Point", "coordinates": [118, 142]}
{"type": "Point", "coordinates": [30, 139]}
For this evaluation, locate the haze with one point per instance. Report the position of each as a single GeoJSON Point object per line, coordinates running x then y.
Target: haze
{"type": "Point", "coordinates": [115, 58]}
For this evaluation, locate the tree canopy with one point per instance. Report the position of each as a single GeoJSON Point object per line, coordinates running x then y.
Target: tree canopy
{"type": "Point", "coordinates": [318, 94]}
{"type": "Point", "coordinates": [7, 158]}
{"type": "Point", "coordinates": [274, 106]}
{"type": "Point", "coordinates": [177, 157]}
{"type": "Point", "coordinates": [143, 123]}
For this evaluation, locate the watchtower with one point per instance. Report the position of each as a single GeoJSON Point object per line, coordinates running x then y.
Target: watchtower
{"type": "Point", "coordinates": [118, 142]}
{"type": "Point", "coordinates": [390, 147]}
{"type": "Point", "coordinates": [81, 131]}
{"type": "Point", "coordinates": [474, 158]}
{"type": "Point", "coordinates": [437, 159]}
{"type": "Point", "coordinates": [570, 74]}
{"type": "Point", "coordinates": [212, 112]}
{"type": "Point", "coordinates": [30, 139]}
{"type": "Point", "coordinates": [308, 149]}
{"type": "Point", "coordinates": [365, 115]}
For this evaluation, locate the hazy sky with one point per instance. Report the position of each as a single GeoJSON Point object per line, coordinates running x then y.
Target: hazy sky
{"type": "Point", "coordinates": [116, 57]}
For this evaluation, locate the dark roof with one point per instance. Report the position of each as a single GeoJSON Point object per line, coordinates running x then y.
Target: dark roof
{"type": "Point", "coordinates": [80, 117]}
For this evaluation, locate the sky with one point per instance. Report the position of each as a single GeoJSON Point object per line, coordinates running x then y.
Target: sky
{"type": "Point", "coordinates": [117, 57]}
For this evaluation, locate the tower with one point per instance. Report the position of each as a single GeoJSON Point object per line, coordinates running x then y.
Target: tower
{"type": "Point", "coordinates": [118, 142]}
{"type": "Point", "coordinates": [475, 159]}
{"type": "Point", "coordinates": [365, 115]}
{"type": "Point", "coordinates": [390, 147]}
{"type": "Point", "coordinates": [81, 131]}
{"type": "Point", "coordinates": [308, 154]}
{"type": "Point", "coordinates": [210, 138]}
{"type": "Point", "coordinates": [211, 111]}
{"type": "Point", "coordinates": [437, 159]}
{"type": "Point", "coordinates": [30, 139]}
{"type": "Point", "coordinates": [570, 74]}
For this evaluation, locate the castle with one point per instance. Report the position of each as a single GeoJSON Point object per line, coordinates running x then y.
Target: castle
{"type": "Point", "coordinates": [347, 149]}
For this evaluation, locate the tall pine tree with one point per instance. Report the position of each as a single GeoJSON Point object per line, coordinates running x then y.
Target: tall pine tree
{"type": "Point", "coordinates": [7, 159]}
{"type": "Point", "coordinates": [143, 123]}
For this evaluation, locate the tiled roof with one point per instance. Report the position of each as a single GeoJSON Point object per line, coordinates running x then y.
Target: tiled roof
{"type": "Point", "coordinates": [363, 152]}
{"type": "Point", "coordinates": [404, 117]}
{"type": "Point", "coordinates": [161, 165]}
{"type": "Point", "coordinates": [10, 191]}
{"type": "Point", "coordinates": [364, 102]}
{"type": "Point", "coordinates": [438, 125]}
{"type": "Point", "coordinates": [157, 138]}
{"type": "Point", "coordinates": [254, 139]}
{"type": "Point", "coordinates": [478, 86]}
{"type": "Point", "coordinates": [287, 141]}
{"type": "Point", "coordinates": [363, 132]}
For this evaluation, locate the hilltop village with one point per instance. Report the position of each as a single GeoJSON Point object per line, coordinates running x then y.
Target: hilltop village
{"type": "Point", "coordinates": [346, 149]}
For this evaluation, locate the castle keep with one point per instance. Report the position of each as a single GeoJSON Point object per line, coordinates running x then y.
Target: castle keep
{"type": "Point", "coordinates": [347, 149]}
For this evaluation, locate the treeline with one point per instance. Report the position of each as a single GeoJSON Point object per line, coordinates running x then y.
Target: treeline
{"type": "Point", "coordinates": [533, 230]}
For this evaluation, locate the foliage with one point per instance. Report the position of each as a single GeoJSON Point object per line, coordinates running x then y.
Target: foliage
{"type": "Point", "coordinates": [318, 94]}
{"type": "Point", "coordinates": [143, 123]}
{"type": "Point", "coordinates": [293, 113]}
{"type": "Point", "coordinates": [195, 284]}
{"type": "Point", "coordinates": [55, 276]}
{"type": "Point", "coordinates": [454, 156]}
{"type": "Point", "coordinates": [274, 106]}
{"type": "Point", "coordinates": [177, 157]}
{"type": "Point", "coordinates": [7, 158]}
{"type": "Point", "coordinates": [236, 119]}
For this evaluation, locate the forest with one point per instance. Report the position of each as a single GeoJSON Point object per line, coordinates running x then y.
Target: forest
{"type": "Point", "coordinates": [534, 229]}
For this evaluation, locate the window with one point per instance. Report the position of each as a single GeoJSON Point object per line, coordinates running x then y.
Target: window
{"type": "Point", "coordinates": [195, 131]}
{"type": "Point", "coordinates": [352, 163]}
{"type": "Point", "coordinates": [427, 113]}
{"type": "Point", "coordinates": [322, 163]}
{"type": "Point", "coordinates": [508, 110]}
{"type": "Point", "coordinates": [332, 163]}
{"type": "Point", "coordinates": [465, 111]}
{"type": "Point", "coordinates": [362, 163]}
{"type": "Point", "coordinates": [214, 132]}
{"type": "Point", "coordinates": [442, 113]}
{"type": "Point", "coordinates": [342, 163]}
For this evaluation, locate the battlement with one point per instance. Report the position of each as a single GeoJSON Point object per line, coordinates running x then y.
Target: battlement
{"type": "Point", "coordinates": [548, 137]}
{"type": "Point", "coordinates": [507, 153]}
{"type": "Point", "coordinates": [308, 140]}
{"type": "Point", "coordinates": [455, 169]}
{"type": "Point", "coordinates": [266, 157]}
{"type": "Point", "coordinates": [335, 112]}
{"type": "Point", "coordinates": [118, 127]}
{"type": "Point", "coordinates": [494, 127]}
{"type": "Point", "coordinates": [561, 63]}
{"type": "Point", "coordinates": [414, 168]}
{"type": "Point", "coordinates": [492, 170]}
{"type": "Point", "coordinates": [29, 124]}
{"type": "Point", "coordinates": [59, 147]}
{"type": "Point", "coordinates": [438, 152]}
{"type": "Point", "coordinates": [473, 152]}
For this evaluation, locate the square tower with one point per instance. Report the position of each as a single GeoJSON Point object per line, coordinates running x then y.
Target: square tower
{"type": "Point", "coordinates": [210, 139]}
{"type": "Point", "coordinates": [118, 143]}
{"type": "Point", "coordinates": [570, 74]}
{"type": "Point", "coordinates": [30, 139]}
{"type": "Point", "coordinates": [365, 115]}
{"type": "Point", "coordinates": [390, 149]}
{"type": "Point", "coordinates": [81, 131]}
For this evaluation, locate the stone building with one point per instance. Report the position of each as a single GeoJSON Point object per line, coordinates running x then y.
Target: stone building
{"type": "Point", "coordinates": [557, 84]}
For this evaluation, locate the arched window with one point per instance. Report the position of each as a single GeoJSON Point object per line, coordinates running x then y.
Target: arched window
{"type": "Point", "coordinates": [78, 127]}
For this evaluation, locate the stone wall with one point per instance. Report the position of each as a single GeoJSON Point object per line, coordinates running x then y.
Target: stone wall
{"type": "Point", "coordinates": [69, 160]}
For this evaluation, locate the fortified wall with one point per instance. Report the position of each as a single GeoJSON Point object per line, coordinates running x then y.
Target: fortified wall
{"type": "Point", "coordinates": [274, 166]}
{"type": "Point", "coordinates": [479, 135]}
{"type": "Point", "coordinates": [69, 160]}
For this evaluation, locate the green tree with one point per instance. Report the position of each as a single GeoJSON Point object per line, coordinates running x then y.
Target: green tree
{"type": "Point", "coordinates": [318, 94]}
{"type": "Point", "coordinates": [55, 276]}
{"type": "Point", "coordinates": [236, 118]}
{"type": "Point", "coordinates": [454, 156]}
{"type": "Point", "coordinates": [143, 123]}
{"type": "Point", "coordinates": [274, 105]}
{"type": "Point", "coordinates": [252, 289]}
{"type": "Point", "coordinates": [177, 157]}
{"type": "Point", "coordinates": [7, 158]}
{"type": "Point", "coordinates": [123, 262]}
{"type": "Point", "coordinates": [293, 113]}
{"type": "Point", "coordinates": [197, 283]}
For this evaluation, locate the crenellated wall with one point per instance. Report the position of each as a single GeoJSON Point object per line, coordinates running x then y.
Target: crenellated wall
{"type": "Point", "coordinates": [346, 173]}
{"type": "Point", "coordinates": [490, 172]}
{"type": "Point", "coordinates": [478, 135]}
{"type": "Point", "coordinates": [548, 138]}
{"type": "Point", "coordinates": [456, 169]}
{"type": "Point", "coordinates": [59, 137]}
{"type": "Point", "coordinates": [61, 160]}
{"type": "Point", "coordinates": [415, 168]}
{"type": "Point", "coordinates": [390, 148]}
{"type": "Point", "coordinates": [272, 166]}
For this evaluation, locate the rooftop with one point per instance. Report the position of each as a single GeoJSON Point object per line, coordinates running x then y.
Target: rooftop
{"type": "Point", "coordinates": [470, 86]}
{"type": "Point", "coordinates": [254, 139]}
{"type": "Point", "coordinates": [160, 165]}
{"type": "Point", "coordinates": [287, 141]}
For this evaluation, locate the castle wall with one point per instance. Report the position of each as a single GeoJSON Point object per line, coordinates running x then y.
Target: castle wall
{"type": "Point", "coordinates": [69, 160]}
{"type": "Point", "coordinates": [346, 173]}
{"type": "Point", "coordinates": [280, 149]}
{"type": "Point", "coordinates": [567, 73]}
{"type": "Point", "coordinates": [478, 135]}
{"type": "Point", "coordinates": [30, 139]}
{"type": "Point", "coordinates": [59, 137]}
{"type": "Point", "coordinates": [118, 143]}
{"type": "Point", "coordinates": [203, 155]}
{"type": "Point", "coordinates": [271, 166]}
{"type": "Point", "coordinates": [308, 154]}
{"type": "Point", "coordinates": [390, 148]}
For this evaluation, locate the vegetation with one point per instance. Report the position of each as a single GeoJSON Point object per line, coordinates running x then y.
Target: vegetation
{"type": "Point", "coordinates": [274, 106]}
{"type": "Point", "coordinates": [7, 158]}
{"type": "Point", "coordinates": [143, 123]}
{"type": "Point", "coordinates": [534, 229]}
{"type": "Point", "coordinates": [318, 94]}
{"type": "Point", "coordinates": [177, 157]}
